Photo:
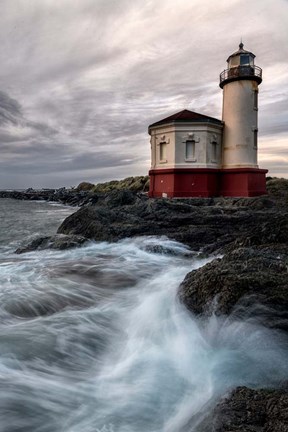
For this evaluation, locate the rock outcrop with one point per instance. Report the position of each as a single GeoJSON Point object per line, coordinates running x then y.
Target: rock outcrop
{"type": "Point", "coordinates": [247, 282]}
{"type": "Point", "coordinates": [58, 242]}
{"type": "Point", "coordinates": [247, 410]}
{"type": "Point", "coordinates": [207, 224]}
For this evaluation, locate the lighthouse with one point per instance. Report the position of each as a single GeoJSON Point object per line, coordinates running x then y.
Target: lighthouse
{"type": "Point", "coordinates": [193, 155]}
{"type": "Point", "coordinates": [241, 175]}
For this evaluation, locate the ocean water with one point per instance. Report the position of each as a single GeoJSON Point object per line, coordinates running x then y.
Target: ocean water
{"type": "Point", "coordinates": [94, 339]}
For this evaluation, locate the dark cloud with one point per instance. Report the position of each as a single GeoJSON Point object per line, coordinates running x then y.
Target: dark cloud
{"type": "Point", "coordinates": [10, 110]}
{"type": "Point", "coordinates": [34, 165]}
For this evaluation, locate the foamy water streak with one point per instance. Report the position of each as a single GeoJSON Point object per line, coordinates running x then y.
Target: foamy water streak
{"type": "Point", "coordinates": [94, 339]}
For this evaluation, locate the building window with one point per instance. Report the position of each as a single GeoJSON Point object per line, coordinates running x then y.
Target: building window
{"type": "Point", "coordinates": [214, 151]}
{"type": "Point", "coordinates": [163, 152]}
{"type": "Point", "coordinates": [190, 150]}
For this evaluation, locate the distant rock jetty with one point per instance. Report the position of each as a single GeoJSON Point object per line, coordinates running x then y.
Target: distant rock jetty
{"type": "Point", "coordinates": [70, 197]}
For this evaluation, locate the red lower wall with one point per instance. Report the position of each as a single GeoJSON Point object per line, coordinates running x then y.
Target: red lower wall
{"type": "Point", "coordinates": [241, 182]}
{"type": "Point", "coordinates": [183, 182]}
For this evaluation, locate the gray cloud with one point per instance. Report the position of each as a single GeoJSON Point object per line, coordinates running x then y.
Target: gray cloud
{"type": "Point", "coordinates": [10, 110]}
{"type": "Point", "coordinates": [81, 81]}
{"type": "Point", "coordinates": [64, 162]}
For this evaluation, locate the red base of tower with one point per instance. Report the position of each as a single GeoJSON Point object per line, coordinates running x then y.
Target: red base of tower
{"type": "Point", "coordinates": [201, 182]}
{"type": "Point", "coordinates": [243, 182]}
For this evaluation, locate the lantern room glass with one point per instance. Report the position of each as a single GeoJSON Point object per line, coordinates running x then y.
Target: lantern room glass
{"type": "Point", "coordinates": [241, 60]}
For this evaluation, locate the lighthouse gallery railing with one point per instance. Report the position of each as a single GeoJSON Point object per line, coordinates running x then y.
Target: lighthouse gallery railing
{"type": "Point", "coordinates": [241, 71]}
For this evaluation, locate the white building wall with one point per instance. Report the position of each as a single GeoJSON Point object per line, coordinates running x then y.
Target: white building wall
{"type": "Point", "coordinates": [162, 134]}
{"type": "Point", "coordinates": [241, 126]}
{"type": "Point", "coordinates": [204, 137]}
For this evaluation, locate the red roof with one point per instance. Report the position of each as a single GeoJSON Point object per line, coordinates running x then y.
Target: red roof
{"type": "Point", "coordinates": [187, 116]}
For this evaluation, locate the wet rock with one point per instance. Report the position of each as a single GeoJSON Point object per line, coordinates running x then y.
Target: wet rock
{"type": "Point", "coordinates": [59, 242]}
{"type": "Point", "coordinates": [166, 250]}
{"type": "Point", "coordinates": [247, 281]}
{"type": "Point", "coordinates": [247, 410]}
{"type": "Point", "coordinates": [92, 274]}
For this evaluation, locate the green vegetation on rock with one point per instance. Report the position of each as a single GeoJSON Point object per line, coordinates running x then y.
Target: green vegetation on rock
{"type": "Point", "coordinates": [135, 184]}
{"type": "Point", "coordinates": [84, 186]}
{"type": "Point", "coordinates": [277, 186]}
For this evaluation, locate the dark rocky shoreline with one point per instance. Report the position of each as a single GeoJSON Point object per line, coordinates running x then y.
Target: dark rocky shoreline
{"type": "Point", "coordinates": [250, 279]}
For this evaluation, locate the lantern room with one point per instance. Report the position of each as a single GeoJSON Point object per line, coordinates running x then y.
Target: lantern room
{"type": "Point", "coordinates": [241, 58]}
{"type": "Point", "coordinates": [241, 66]}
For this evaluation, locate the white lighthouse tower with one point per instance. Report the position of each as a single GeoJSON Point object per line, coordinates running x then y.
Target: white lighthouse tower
{"type": "Point", "coordinates": [240, 81]}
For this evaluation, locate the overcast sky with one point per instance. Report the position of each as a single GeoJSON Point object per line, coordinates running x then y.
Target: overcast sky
{"type": "Point", "coordinates": [81, 80]}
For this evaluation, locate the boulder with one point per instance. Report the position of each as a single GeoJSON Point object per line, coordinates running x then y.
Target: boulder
{"type": "Point", "coordinates": [58, 242]}
{"type": "Point", "coordinates": [247, 281]}
{"type": "Point", "coordinates": [85, 186]}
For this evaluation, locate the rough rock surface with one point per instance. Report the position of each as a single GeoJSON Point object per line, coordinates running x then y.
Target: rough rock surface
{"type": "Point", "coordinates": [57, 241]}
{"type": "Point", "coordinates": [247, 280]}
{"type": "Point", "coordinates": [200, 223]}
{"type": "Point", "coordinates": [247, 410]}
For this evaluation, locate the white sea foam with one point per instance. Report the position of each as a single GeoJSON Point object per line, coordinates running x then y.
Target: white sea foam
{"type": "Point", "coordinates": [94, 339]}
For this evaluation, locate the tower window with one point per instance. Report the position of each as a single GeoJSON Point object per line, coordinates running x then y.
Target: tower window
{"type": "Point", "coordinates": [255, 137]}
{"type": "Point", "coordinates": [190, 150]}
{"type": "Point", "coordinates": [163, 151]}
{"type": "Point", "coordinates": [255, 96]}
